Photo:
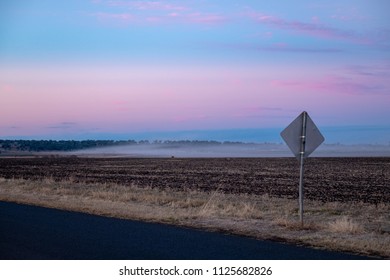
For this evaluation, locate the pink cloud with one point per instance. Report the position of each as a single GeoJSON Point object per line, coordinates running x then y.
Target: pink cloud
{"type": "Point", "coordinates": [147, 5]}
{"type": "Point", "coordinates": [315, 19]}
{"type": "Point", "coordinates": [283, 47]}
{"type": "Point", "coordinates": [7, 88]}
{"type": "Point", "coordinates": [193, 18]}
{"type": "Point", "coordinates": [314, 28]}
{"type": "Point", "coordinates": [157, 12]}
{"type": "Point", "coordinates": [156, 5]}
{"type": "Point", "coordinates": [335, 84]}
{"type": "Point", "coordinates": [187, 119]}
{"type": "Point", "coordinates": [205, 18]}
{"type": "Point", "coordinates": [115, 17]}
{"type": "Point", "coordinates": [121, 105]}
{"type": "Point", "coordinates": [350, 14]}
{"type": "Point", "coordinates": [262, 109]}
{"type": "Point", "coordinates": [381, 71]}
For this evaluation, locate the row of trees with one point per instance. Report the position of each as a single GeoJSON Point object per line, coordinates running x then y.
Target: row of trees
{"type": "Point", "coordinates": [71, 145]}
{"type": "Point", "coordinates": [53, 145]}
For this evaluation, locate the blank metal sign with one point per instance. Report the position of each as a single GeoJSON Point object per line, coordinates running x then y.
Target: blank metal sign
{"type": "Point", "coordinates": [292, 135]}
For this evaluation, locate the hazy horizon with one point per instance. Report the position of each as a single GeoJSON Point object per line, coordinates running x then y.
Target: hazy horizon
{"type": "Point", "coordinates": [349, 135]}
{"type": "Point", "coordinates": [212, 150]}
{"type": "Point", "coordinates": [192, 149]}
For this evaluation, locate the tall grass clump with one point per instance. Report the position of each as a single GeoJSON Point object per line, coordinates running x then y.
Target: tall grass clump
{"type": "Point", "coordinates": [345, 225]}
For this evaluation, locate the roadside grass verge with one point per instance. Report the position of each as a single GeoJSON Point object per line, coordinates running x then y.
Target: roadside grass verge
{"type": "Point", "coordinates": [354, 227]}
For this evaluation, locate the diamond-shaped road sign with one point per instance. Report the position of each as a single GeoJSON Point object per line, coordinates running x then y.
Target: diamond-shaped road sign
{"type": "Point", "coordinates": [302, 127]}
{"type": "Point", "coordinates": [302, 137]}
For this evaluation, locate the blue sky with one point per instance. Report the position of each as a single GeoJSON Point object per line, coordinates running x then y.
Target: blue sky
{"type": "Point", "coordinates": [123, 69]}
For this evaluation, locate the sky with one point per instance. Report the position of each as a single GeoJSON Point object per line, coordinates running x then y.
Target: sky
{"type": "Point", "coordinates": [225, 70]}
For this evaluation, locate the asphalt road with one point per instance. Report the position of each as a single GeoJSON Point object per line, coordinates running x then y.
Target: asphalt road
{"type": "Point", "coordinates": [29, 232]}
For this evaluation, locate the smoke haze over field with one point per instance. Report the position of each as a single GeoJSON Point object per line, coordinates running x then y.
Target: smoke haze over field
{"type": "Point", "coordinates": [348, 135]}
{"type": "Point", "coordinates": [232, 150]}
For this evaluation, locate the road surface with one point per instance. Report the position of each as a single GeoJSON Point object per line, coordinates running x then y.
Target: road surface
{"type": "Point", "coordinates": [30, 232]}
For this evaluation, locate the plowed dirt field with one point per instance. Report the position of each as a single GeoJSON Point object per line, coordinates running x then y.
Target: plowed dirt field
{"type": "Point", "coordinates": [326, 179]}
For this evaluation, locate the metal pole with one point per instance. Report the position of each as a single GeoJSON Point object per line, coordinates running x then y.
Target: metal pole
{"type": "Point", "coordinates": [302, 156]}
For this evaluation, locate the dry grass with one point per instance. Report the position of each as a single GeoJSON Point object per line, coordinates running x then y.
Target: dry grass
{"type": "Point", "coordinates": [345, 225]}
{"type": "Point", "coordinates": [355, 227]}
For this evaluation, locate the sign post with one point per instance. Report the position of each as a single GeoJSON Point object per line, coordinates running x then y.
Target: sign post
{"type": "Point", "coordinates": [301, 169]}
{"type": "Point", "coordinates": [302, 137]}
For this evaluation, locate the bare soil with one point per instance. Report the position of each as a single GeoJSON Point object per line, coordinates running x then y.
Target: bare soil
{"type": "Point", "coordinates": [364, 180]}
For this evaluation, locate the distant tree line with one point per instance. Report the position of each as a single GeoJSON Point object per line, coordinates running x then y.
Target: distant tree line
{"type": "Point", "coordinates": [61, 145]}
{"type": "Point", "coordinates": [72, 145]}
